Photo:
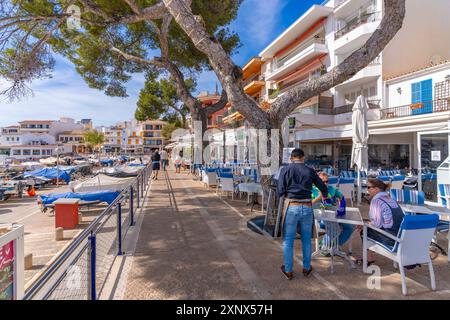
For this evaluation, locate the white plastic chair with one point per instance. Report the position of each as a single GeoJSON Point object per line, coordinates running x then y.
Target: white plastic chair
{"type": "Point", "coordinates": [226, 183]}
{"type": "Point", "coordinates": [348, 191]}
{"type": "Point", "coordinates": [411, 245]}
{"type": "Point", "coordinates": [210, 179]}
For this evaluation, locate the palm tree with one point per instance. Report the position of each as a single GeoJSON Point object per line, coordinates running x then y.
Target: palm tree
{"type": "Point", "coordinates": [94, 139]}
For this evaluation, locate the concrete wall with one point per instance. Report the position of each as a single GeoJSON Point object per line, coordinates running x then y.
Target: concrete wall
{"type": "Point", "coordinates": [425, 33]}
{"type": "Point", "coordinates": [58, 127]}
{"type": "Point", "coordinates": [27, 138]}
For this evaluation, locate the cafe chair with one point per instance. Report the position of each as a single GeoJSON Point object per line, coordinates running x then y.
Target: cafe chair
{"type": "Point", "coordinates": [210, 178]}
{"type": "Point", "coordinates": [408, 196]}
{"type": "Point", "coordinates": [410, 247]}
{"type": "Point", "coordinates": [226, 183]}
{"type": "Point", "coordinates": [444, 194]}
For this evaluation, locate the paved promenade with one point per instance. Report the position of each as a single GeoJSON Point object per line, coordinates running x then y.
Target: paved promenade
{"type": "Point", "coordinates": [190, 244]}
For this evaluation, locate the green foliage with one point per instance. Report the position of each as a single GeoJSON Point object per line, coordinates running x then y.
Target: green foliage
{"type": "Point", "coordinates": [90, 47]}
{"type": "Point", "coordinates": [159, 100]}
{"type": "Point", "coordinates": [94, 138]}
{"type": "Point", "coordinates": [168, 129]}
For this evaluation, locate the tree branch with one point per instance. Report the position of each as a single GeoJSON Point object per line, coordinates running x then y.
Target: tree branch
{"type": "Point", "coordinates": [129, 57]}
{"type": "Point", "coordinates": [228, 73]}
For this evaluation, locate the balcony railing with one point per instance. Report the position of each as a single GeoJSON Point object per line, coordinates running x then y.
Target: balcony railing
{"type": "Point", "coordinates": [278, 63]}
{"type": "Point", "coordinates": [425, 107]}
{"type": "Point", "coordinates": [347, 108]}
{"type": "Point", "coordinates": [255, 77]}
{"type": "Point", "coordinates": [357, 21]}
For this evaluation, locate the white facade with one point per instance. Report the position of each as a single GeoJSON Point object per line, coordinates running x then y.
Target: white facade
{"type": "Point", "coordinates": [399, 90]}
{"type": "Point", "coordinates": [33, 139]}
{"type": "Point", "coordinates": [125, 136]}
{"type": "Point", "coordinates": [324, 36]}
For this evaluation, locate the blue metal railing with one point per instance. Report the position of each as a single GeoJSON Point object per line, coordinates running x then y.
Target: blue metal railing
{"type": "Point", "coordinates": [80, 272]}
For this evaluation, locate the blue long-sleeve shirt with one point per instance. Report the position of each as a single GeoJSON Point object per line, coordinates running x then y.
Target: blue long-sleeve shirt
{"type": "Point", "coordinates": [296, 182]}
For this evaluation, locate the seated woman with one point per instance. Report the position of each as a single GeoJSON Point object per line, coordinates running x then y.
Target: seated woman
{"type": "Point", "coordinates": [384, 214]}
{"type": "Point", "coordinates": [336, 196]}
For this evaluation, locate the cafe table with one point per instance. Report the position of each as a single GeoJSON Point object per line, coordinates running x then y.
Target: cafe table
{"type": "Point", "coordinates": [332, 229]}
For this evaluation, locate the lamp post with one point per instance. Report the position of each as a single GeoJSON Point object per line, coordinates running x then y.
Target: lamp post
{"type": "Point", "coordinates": [57, 150]}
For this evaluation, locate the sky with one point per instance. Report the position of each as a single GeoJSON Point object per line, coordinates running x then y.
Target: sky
{"type": "Point", "coordinates": [259, 22]}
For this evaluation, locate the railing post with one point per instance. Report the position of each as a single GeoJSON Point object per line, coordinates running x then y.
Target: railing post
{"type": "Point", "coordinates": [138, 193]}
{"type": "Point", "coordinates": [131, 206]}
{"type": "Point", "coordinates": [92, 294]}
{"type": "Point", "coordinates": [119, 229]}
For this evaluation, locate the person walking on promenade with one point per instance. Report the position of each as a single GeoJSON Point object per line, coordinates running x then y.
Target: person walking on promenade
{"type": "Point", "coordinates": [164, 159]}
{"type": "Point", "coordinates": [178, 161]}
{"type": "Point", "coordinates": [295, 184]}
{"type": "Point", "coordinates": [156, 158]}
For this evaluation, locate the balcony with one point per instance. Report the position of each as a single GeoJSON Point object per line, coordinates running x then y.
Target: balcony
{"type": "Point", "coordinates": [347, 108]}
{"type": "Point", "coordinates": [297, 57]}
{"type": "Point", "coordinates": [367, 75]}
{"type": "Point", "coordinates": [344, 8]}
{"type": "Point", "coordinates": [415, 109]}
{"type": "Point", "coordinates": [254, 84]}
{"type": "Point", "coordinates": [356, 32]}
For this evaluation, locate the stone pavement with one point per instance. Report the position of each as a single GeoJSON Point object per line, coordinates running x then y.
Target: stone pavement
{"type": "Point", "coordinates": [40, 229]}
{"type": "Point", "coordinates": [190, 244]}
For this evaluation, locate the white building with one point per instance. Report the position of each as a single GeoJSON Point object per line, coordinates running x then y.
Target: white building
{"type": "Point", "coordinates": [33, 139]}
{"type": "Point", "coordinates": [125, 136]}
{"type": "Point", "coordinates": [321, 39]}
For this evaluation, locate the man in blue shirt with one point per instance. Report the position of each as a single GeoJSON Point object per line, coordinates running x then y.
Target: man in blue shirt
{"type": "Point", "coordinates": [295, 183]}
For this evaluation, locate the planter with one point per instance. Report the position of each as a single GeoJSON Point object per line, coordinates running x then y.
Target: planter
{"type": "Point", "coordinates": [11, 262]}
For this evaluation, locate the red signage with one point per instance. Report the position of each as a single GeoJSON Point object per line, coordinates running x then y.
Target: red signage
{"type": "Point", "coordinates": [7, 271]}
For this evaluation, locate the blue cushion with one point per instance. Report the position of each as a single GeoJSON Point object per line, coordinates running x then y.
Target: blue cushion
{"type": "Point", "coordinates": [346, 180]}
{"type": "Point", "coordinates": [416, 222]}
{"type": "Point", "coordinates": [398, 178]}
{"type": "Point", "coordinates": [226, 175]}
{"type": "Point", "coordinates": [333, 180]}
{"type": "Point", "coordinates": [442, 226]}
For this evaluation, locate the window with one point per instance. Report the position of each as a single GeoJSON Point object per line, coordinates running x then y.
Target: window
{"type": "Point", "coordinates": [36, 152]}
{"type": "Point", "coordinates": [26, 152]}
{"type": "Point", "coordinates": [422, 93]}
{"type": "Point", "coordinates": [7, 138]}
{"type": "Point", "coordinates": [219, 119]}
{"type": "Point", "coordinates": [16, 152]}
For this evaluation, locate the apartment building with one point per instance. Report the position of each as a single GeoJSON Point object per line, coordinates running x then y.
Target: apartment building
{"type": "Point", "coordinates": [320, 40]}
{"type": "Point", "coordinates": [33, 139]}
{"type": "Point", "coordinates": [152, 135]}
{"type": "Point", "coordinates": [124, 136]}
{"type": "Point", "coordinates": [73, 142]}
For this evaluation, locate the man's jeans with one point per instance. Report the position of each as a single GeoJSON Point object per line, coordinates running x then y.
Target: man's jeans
{"type": "Point", "coordinates": [297, 216]}
{"type": "Point", "coordinates": [164, 163]}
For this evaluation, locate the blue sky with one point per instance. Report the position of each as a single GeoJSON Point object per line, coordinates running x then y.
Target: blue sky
{"type": "Point", "coordinates": [259, 22]}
